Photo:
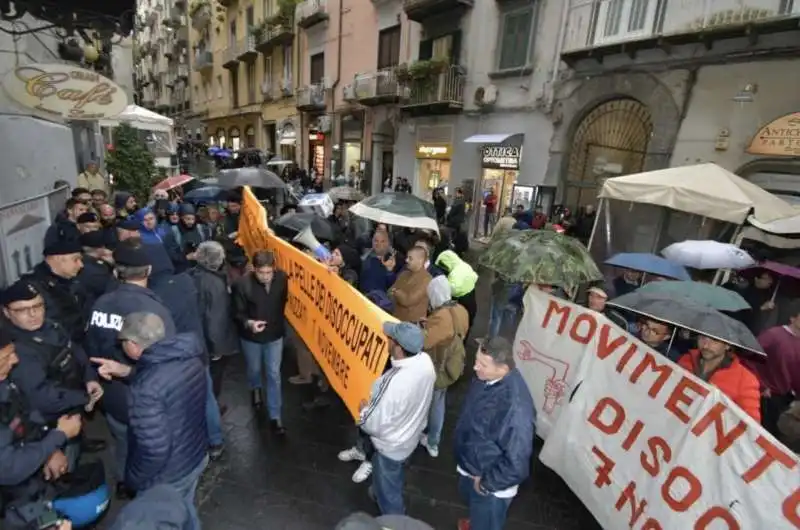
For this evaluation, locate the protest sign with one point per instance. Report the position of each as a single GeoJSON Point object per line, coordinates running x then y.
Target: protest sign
{"type": "Point", "coordinates": [342, 329]}
{"type": "Point", "coordinates": [645, 444]}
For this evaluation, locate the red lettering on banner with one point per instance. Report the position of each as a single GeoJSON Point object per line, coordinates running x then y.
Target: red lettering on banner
{"type": "Point", "coordinates": [716, 514]}
{"type": "Point", "coordinates": [575, 332]}
{"type": "Point", "coordinates": [691, 495]}
{"type": "Point", "coordinates": [622, 363]}
{"type": "Point", "coordinates": [664, 372]}
{"type": "Point", "coordinates": [603, 470]}
{"type": "Point", "coordinates": [628, 496]}
{"type": "Point", "coordinates": [606, 347]}
{"type": "Point", "coordinates": [772, 454]}
{"type": "Point", "coordinates": [724, 439]}
{"type": "Point", "coordinates": [656, 445]}
{"type": "Point", "coordinates": [680, 397]}
{"type": "Point", "coordinates": [553, 308]}
{"type": "Point", "coordinates": [791, 508]}
{"type": "Point", "coordinates": [629, 440]}
{"type": "Point", "coordinates": [651, 524]}
{"type": "Point", "coordinates": [604, 404]}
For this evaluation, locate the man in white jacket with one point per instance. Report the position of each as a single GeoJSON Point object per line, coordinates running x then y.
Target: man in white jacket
{"type": "Point", "coordinates": [393, 419]}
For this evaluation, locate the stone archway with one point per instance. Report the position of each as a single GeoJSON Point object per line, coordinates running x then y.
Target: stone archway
{"type": "Point", "coordinates": [611, 139]}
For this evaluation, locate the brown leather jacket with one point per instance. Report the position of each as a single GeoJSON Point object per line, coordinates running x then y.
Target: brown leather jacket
{"type": "Point", "coordinates": [410, 295]}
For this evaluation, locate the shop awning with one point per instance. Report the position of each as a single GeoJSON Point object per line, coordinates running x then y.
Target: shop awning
{"type": "Point", "coordinates": [288, 141]}
{"type": "Point", "coordinates": [495, 138]}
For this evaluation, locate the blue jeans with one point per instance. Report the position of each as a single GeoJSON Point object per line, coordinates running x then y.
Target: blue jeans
{"type": "Point", "coordinates": [436, 417]}
{"type": "Point", "coordinates": [502, 316]}
{"type": "Point", "coordinates": [187, 487]}
{"type": "Point", "coordinates": [388, 477]}
{"type": "Point", "coordinates": [257, 356]}
{"type": "Point", "coordinates": [119, 431]}
{"type": "Point", "coordinates": [486, 512]}
{"type": "Point", "coordinates": [213, 419]}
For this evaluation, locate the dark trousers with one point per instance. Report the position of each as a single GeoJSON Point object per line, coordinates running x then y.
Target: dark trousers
{"type": "Point", "coordinates": [217, 369]}
{"type": "Point", "coordinates": [771, 409]}
{"type": "Point", "coordinates": [470, 303]}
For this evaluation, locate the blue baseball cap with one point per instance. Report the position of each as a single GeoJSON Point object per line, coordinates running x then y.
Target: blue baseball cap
{"type": "Point", "coordinates": [409, 336]}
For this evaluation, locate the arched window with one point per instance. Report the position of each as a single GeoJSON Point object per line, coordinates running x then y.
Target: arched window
{"type": "Point", "coordinates": [250, 136]}
{"type": "Point", "coordinates": [235, 140]}
{"type": "Point", "coordinates": [221, 137]}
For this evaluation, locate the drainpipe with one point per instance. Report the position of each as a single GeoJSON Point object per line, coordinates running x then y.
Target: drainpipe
{"type": "Point", "coordinates": [551, 96]}
{"type": "Point", "coordinates": [335, 85]}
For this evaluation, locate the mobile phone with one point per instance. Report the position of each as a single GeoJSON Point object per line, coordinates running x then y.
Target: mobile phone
{"type": "Point", "coordinates": [48, 521]}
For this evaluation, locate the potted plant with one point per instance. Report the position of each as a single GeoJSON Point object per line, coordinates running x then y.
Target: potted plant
{"type": "Point", "coordinates": [425, 71]}
{"type": "Point", "coordinates": [258, 31]}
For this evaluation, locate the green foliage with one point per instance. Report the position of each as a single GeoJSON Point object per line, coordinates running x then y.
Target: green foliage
{"type": "Point", "coordinates": [285, 14]}
{"type": "Point", "coordinates": [424, 71]}
{"type": "Point", "coordinates": [131, 163]}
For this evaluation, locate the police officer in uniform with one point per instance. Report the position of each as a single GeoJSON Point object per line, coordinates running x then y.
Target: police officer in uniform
{"type": "Point", "coordinates": [132, 267]}
{"type": "Point", "coordinates": [55, 279]}
{"type": "Point", "coordinates": [97, 276]}
{"type": "Point", "coordinates": [30, 451]}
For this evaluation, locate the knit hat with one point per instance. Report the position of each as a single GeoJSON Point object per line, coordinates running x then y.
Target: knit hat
{"type": "Point", "coordinates": [186, 209]}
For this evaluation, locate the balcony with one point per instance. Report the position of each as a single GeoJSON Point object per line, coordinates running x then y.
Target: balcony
{"type": "Point", "coordinates": [267, 91]}
{"type": "Point", "coordinates": [420, 10]}
{"type": "Point", "coordinates": [438, 91]}
{"type": "Point", "coordinates": [200, 12]}
{"type": "Point", "coordinates": [311, 98]}
{"type": "Point", "coordinates": [230, 57]}
{"type": "Point", "coordinates": [182, 35]}
{"type": "Point", "coordinates": [203, 61]}
{"type": "Point", "coordinates": [310, 12]}
{"type": "Point", "coordinates": [275, 35]}
{"type": "Point", "coordinates": [603, 27]}
{"type": "Point", "coordinates": [377, 88]}
{"type": "Point", "coordinates": [247, 48]}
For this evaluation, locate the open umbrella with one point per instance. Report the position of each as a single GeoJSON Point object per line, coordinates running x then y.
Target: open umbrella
{"type": "Point", "coordinates": [687, 313]}
{"type": "Point", "coordinates": [707, 254]}
{"type": "Point", "coordinates": [256, 177]}
{"type": "Point", "coordinates": [223, 153]}
{"type": "Point", "coordinates": [291, 224]}
{"type": "Point", "coordinates": [400, 209]}
{"type": "Point", "coordinates": [173, 182]}
{"type": "Point", "coordinates": [205, 194]}
{"type": "Point", "coordinates": [649, 263]}
{"type": "Point", "coordinates": [541, 256]}
{"type": "Point", "coordinates": [719, 298]}
{"type": "Point", "coordinates": [213, 150]}
{"type": "Point", "coordinates": [345, 193]}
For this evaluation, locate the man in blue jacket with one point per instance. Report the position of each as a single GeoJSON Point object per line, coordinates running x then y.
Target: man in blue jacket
{"type": "Point", "coordinates": [167, 415]}
{"type": "Point", "coordinates": [381, 266]}
{"type": "Point", "coordinates": [494, 437]}
{"type": "Point", "coordinates": [132, 267]}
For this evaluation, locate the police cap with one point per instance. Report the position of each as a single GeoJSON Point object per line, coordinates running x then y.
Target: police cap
{"type": "Point", "coordinates": [88, 217]}
{"type": "Point", "coordinates": [63, 246]}
{"type": "Point", "coordinates": [19, 291]}
{"type": "Point", "coordinates": [131, 253]}
{"type": "Point", "coordinates": [93, 239]}
{"type": "Point", "coordinates": [129, 224]}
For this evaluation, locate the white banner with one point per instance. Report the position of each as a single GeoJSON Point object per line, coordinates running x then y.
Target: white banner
{"type": "Point", "coordinates": [643, 443]}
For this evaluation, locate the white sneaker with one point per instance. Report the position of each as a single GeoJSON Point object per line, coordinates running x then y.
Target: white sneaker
{"type": "Point", "coordinates": [352, 454]}
{"type": "Point", "coordinates": [362, 473]}
{"type": "Point", "coordinates": [433, 450]}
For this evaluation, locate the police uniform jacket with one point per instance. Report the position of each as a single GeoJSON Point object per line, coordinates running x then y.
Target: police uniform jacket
{"type": "Point", "coordinates": [105, 323]}
{"type": "Point", "coordinates": [44, 355]}
{"type": "Point", "coordinates": [63, 299]}
{"type": "Point", "coordinates": [94, 279]}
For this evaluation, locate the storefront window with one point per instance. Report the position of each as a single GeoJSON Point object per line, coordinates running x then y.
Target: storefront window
{"type": "Point", "coordinates": [433, 174]}
{"type": "Point", "coordinates": [221, 137]}
{"type": "Point", "coordinates": [316, 151]}
{"type": "Point", "coordinates": [352, 158]}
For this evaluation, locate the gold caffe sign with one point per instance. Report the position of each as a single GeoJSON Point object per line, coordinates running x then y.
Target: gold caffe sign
{"type": "Point", "coordinates": [65, 91]}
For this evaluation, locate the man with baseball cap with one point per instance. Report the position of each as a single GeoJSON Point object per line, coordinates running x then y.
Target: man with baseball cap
{"type": "Point", "coordinates": [393, 419]}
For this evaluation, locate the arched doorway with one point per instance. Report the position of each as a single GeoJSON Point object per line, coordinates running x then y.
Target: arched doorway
{"type": "Point", "coordinates": [250, 136]}
{"type": "Point", "coordinates": [221, 137]}
{"type": "Point", "coordinates": [611, 140]}
{"type": "Point", "coordinates": [235, 140]}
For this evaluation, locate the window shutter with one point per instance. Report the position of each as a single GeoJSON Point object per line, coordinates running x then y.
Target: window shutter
{"type": "Point", "coordinates": [456, 43]}
{"type": "Point", "coordinates": [425, 49]}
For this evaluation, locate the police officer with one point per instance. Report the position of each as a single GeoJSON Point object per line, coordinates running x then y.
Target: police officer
{"type": "Point", "coordinates": [132, 267]}
{"type": "Point", "coordinates": [55, 279]}
{"type": "Point", "coordinates": [97, 276]}
{"type": "Point", "coordinates": [30, 452]}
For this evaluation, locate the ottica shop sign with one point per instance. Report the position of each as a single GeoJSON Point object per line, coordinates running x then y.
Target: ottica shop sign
{"type": "Point", "coordinates": [500, 157]}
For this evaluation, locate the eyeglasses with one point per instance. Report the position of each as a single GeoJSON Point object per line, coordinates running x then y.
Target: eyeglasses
{"type": "Point", "coordinates": [31, 310]}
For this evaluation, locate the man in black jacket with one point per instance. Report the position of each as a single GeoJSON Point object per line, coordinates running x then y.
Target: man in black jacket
{"type": "Point", "coordinates": [259, 299]}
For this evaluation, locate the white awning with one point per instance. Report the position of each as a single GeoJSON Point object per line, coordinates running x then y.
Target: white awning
{"type": "Point", "coordinates": [288, 141]}
{"type": "Point", "coordinates": [492, 138]}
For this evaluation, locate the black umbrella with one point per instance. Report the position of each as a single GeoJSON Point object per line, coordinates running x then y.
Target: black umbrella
{"type": "Point", "coordinates": [256, 177]}
{"type": "Point", "coordinates": [206, 194]}
{"type": "Point", "coordinates": [687, 313]}
{"type": "Point", "coordinates": [291, 224]}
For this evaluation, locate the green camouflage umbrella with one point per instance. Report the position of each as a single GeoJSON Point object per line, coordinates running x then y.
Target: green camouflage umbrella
{"type": "Point", "coordinates": [541, 256]}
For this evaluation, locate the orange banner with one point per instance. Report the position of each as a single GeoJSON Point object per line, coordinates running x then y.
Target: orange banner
{"type": "Point", "coordinates": [342, 329]}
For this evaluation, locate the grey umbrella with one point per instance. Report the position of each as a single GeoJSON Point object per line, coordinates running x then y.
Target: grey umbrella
{"type": "Point", "coordinates": [688, 313]}
{"type": "Point", "coordinates": [256, 177]}
{"type": "Point", "coordinates": [401, 209]}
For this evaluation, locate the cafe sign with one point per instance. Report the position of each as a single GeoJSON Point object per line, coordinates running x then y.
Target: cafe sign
{"type": "Point", "coordinates": [780, 137]}
{"type": "Point", "coordinates": [500, 157]}
{"type": "Point", "coordinates": [434, 151]}
{"type": "Point", "coordinates": [65, 91]}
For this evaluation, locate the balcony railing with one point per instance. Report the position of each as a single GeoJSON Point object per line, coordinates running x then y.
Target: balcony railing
{"type": "Point", "coordinates": [275, 36]}
{"type": "Point", "coordinates": [419, 10]}
{"type": "Point", "coordinates": [311, 97]}
{"type": "Point", "coordinates": [598, 23]}
{"type": "Point", "coordinates": [203, 61]}
{"type": "Point", "coordinates": [443, 92]}
{"type": "Point", "coordinates": [230, 57]}
{"type": "Point", "coordinates": [201, 15]}
{"type": "Point", "coordinates": [247, 48]}
{"type": "Point", "coordinates": [377, 88]}
{"type": "Point", "coordinates": [310, 12]}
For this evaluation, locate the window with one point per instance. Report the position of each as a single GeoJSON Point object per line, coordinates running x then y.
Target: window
{"type": "Point", "coordinates": [232, 34]}
{"type": "Point", "coordinates": [287, 63]}
{"type": "Point", "coordinates": [234, 88]}
{"type": "Point", "coordinates": [219, 87]}
{"type": "Point", "coordinates": [267, 8]}
{"type": "Point", "coordinates": [625, 19]}
{"type": "Point", "coordinates": [516, 37]}
{"type": "Point", "coordinates": [317, 68]}
{"type": "Point", "coordinates": [251, 82]}
{"type": "Point", "coordinates": [268, 69]}
{"type": "Point", "coordinates": [389, 47]}
{"type": "Point", "coordinates": [251, 18]}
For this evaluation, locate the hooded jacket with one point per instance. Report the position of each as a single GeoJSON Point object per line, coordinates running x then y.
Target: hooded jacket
{"type": "Point", "coordinates": [460, 275]}
{"type": "Point", "coordinates": [167, 433]}
{"type": "Point", "coordinates": [159, 508]}
{"type": "Point", "coordinates": [445, 320]}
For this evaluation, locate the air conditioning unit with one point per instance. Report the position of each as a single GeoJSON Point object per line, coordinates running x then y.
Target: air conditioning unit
{"type": "Point", "coordinates": [286, 87]}
{"type": "Point", "coordinates": [485, 95]}
{"type": "Point", "coordinates": [350, 93]}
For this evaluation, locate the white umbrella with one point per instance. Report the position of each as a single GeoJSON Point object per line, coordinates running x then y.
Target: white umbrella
{"type": "Point", "coordinates": [706, 254]}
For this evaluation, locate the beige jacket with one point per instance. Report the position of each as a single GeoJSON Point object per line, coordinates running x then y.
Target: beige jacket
{"type": "Point", "coordinates": [92, 181]}
{"type": "Point", "coordinates": [410, 295]}
{"type": "Point", "coordinates": [441, 326]}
